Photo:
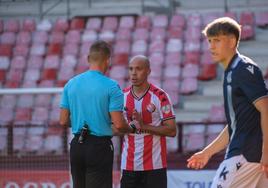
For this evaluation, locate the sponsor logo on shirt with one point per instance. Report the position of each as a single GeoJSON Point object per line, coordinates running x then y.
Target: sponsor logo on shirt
{"type": "Point", "coordinates": [166, 109]}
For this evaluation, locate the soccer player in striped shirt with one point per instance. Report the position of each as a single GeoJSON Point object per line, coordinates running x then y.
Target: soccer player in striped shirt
{"type": "Point", "coordinates": [144, 151]}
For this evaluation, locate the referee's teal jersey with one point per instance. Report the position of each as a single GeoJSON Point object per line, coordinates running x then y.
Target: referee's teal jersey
{"type": "Point", "coordinates": [90, 97]}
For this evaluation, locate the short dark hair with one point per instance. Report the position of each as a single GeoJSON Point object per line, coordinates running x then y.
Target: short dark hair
{"type": "Point", "coordinates": [223, 26]}
{"type": "Point", "coordinates": [99, 51]}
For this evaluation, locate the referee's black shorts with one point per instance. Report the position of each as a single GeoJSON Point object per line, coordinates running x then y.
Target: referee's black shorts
{"type": "Point", "coordinates": [92, 162]}
{"type": "Point", "coordinates": [144, 179]}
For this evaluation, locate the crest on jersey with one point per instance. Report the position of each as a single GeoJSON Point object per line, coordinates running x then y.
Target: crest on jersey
{"type": "Point", "coordinates": [150, 107]}
{"type": "Point", "coordinates": [166, 109]}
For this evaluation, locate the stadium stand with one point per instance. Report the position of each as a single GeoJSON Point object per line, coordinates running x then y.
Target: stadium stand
{"type": "Point", "coordinates": [47, 53]}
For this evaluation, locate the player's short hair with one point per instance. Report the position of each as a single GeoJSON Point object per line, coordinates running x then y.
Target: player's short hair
{"type": "Point", "coordinates": [142, 58]}
{"type": "Point", "coordinates": [223, 26]}
{"type": "Point", "coordinates": [99, 51]}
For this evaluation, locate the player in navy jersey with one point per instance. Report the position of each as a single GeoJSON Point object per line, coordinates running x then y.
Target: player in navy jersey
{"type": "Point", "coordinates": [245, 138]}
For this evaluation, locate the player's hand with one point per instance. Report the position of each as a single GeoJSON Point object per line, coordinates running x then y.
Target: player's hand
{"type": "Point", "coordinates": [264, 163]}
{"type": "Point", "coordinates": [136, 116]}
{"type": "Point", "coordinates": [198, 160]}
{"type": "Point", "coordinates": [265, 170]}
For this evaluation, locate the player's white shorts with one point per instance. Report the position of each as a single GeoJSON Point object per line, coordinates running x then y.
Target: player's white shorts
{"type": "Point", "coordinates": [237, 172]}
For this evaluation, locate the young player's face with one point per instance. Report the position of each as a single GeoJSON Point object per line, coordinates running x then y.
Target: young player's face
{"type": "Point", "coordinates": [221, 48]}
{"type": "Point", "coordinates": [138, 72]}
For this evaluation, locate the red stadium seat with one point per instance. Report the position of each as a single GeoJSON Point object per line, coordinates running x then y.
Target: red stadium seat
{"type": "Point", "coordinates": [29, 84]}
{"type": "Point", "coordinates": [82, 64]}
{"type": "Point", "coordinates": [175, 33]}
{"type": "Point", "coordinates": [213, 131]}
{"type": "Point", "coordinates": [127, 22]}
{"type": "Point", "coordinates": [29, 25]}
{"type": "Point", "coordinates": [25, 101]}
{"type": "Point", "coordinates": [207, 71]}
{"type": "Point", "coordinates": [5, 50]}
{"type": "Point", "coordinates": [173, 58]}
{"type": "Point", "coordinates": [261, 18]}
{"type": "Point", "coordinates": [53, 144]}
{"type": "Point", "coordinates": [73, 37]}
{"type": "Point", "coordinates": [190, 71]}
{"type": "Point", "coordinates": [195, 139]}
{"type": "Point", "coordinates": [44, 25]}
{"type": "Point", "coordinates": [32, 75]}
{"type": "Point", "coordinates": [141, 34]}
{"type": "Point", "coordinates": [143, 22]}
{"type": "Point", "coordinates": [35, 62]}
{"type": "Point", "coordinates": [94, 23]}
{"type": "Point", "coordinates": [77, 24]}
{"type": "Point", "coordinates": [247, 18]}
{"type": "Point", "coordinates": [38, 49]}
{"type": "Point", "coordinates": [89, 36]}
{"type": "Point", "coordinates": [54, 49]}
{"type": "Point", "coordinates": [8, 38]}
{"type": "Point", "coordinates": [4, 62]}
{"type": "Point", "coordinates": [247, 32]}
{"type": "Point", "coordinates": [210, 16]}
{"type": "Point", "coordinates": [192, 45]}
{"type": "Point", "coordinates": [24, 37]}
{"type": "Point", "coordinates": [22, 116]}
{"type": "Point", "coordinates": [177, 21]}
{"type": "Point", "coordinates": [154, 80]}
{"type": "Point", "coordinates": [120, 59]}
{"type": "Point", "coordinates": [123, 34]}
{"type": "Point", "coordinates": [194, 20]}
{"type": "Point", "coordinates": [160, 21]}
{"type": "Point", "coordinates": [56, 101]}
{"type": "Point", "coordinates": [19, 135]}
{"type": "Point", "coordinates": [18, 62]}
{"type": "Point", "coordinates": [156, 73]}
{"type": "Point", "coordinates": [12, 84]}
{"type": "Point", "coordinates": [61, 25]}
{"type": "Point", "coordinates": [171, 84]}
{"type": "Point", "coordinates": [157, 46]}
{"type": "Point", "coordinates": [231, 15]}
{"type": "Point", "coordinates": [191, 57]}
{"type": "Point", "coordinates": [110, 23]}
{"type": "Point", "coordinates": [204, 46]}
{"type": "Point", "coordinates": [21, 50]}
{"type": "Point", "coordinates": [46, 83]}
{"type": "Point", "coordinates": [122, 47]}
{"type": "Point", "coordinates": [12, 25]}
{"type": "Point", "coordinates": [206, 58]}
{"type": "Point", "coordinates": [2, 75]}
{"type": "Point", "coordinates": [34, 143]}
{"type": "Point", "coordinates": [52, 62]}
{"type": "Point", "coordinates": [158, 33]}
{"type": "Point", "coordinates": [174, 45]}
{"type": "Point", "coordinates": [40, 37]}
{"type": "Point", "coordinates": [65, 74]}
{"type": "Point", "coordinates": [15, 75]}
{"type": "Point", "coordinates": [56, 37]}
{"type": "Point", "coordinates": [188, 86]}
{"type": "Point", "coordinates": [49, 74]}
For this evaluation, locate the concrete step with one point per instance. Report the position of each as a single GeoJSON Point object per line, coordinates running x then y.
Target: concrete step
{"type": "Point", "coordinates": [190, 116]}
{"type": "Point", "coordinates": [201, 102]}
{"type": "Point", "coordinates": [212, 88]}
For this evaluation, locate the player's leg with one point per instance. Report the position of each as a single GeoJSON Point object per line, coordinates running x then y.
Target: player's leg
{"type": "Point", "coordinates": [77, 164]}
{"type": "Point", "coordinates": [99, 164]}
{"type": "Point", "coordinates": [156, 178]}
{"type": "Point", "coordinates": [130, 179]}
{"type": "Point", "coordinates": [236, 172]}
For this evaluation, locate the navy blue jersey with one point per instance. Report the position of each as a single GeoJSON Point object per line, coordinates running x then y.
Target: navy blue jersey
{"type": "Point", "coordinates": [243, 85]}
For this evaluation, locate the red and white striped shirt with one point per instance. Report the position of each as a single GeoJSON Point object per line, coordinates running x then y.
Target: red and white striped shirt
{"type": "Point", "coordinates": [143, 151]}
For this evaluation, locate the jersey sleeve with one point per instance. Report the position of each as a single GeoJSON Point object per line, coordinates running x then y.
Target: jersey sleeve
{"type": "Point", "coordinates": [116, 102]}
{"type": "Point", "coordinates": [64, 103]}
{"type": "Point", "coordinates": [166, 108]}
{"type": "Point", "coordinates": [252, 83]}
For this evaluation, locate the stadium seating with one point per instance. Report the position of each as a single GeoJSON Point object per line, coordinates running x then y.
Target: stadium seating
{"type": "Point", "coordinates": [48, 53]}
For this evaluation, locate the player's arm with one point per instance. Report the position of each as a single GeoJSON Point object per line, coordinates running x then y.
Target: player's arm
{"type": "Point", "coordinates": [200, 159]}
{"type": "Point", "coordinates": [167, 129]}
{"type": "Point", "coordinates": [119, 123]}
{"type": "Point", "coordinates": [64, 117]}
{"type": "Point", "coordinates": [262, 106]}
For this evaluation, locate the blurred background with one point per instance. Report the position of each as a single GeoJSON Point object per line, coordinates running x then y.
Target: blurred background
{"type": "Point", "coordinates": [43, 43]}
